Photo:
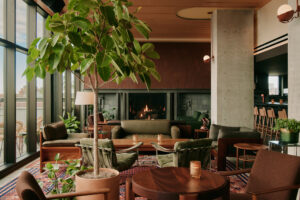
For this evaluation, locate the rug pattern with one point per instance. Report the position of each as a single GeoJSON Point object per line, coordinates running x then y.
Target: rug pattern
{"type": "Point", "coordinates": [8, 192]}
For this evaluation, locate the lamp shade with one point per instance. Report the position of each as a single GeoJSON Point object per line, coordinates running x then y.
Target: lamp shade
{"type": "Point", "coordinates": [285, 13]}
{"type": "Point", "coordinates": [84, 98]}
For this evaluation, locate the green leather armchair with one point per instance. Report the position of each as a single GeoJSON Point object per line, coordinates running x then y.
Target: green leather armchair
{"type": "Point", "coordinates": [108, 157]}
{"type": "Point", "coordinates": [184, 152]}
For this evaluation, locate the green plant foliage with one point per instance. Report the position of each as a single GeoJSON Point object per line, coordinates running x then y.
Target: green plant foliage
{"type": "Point", "coordinates": [63, 185]}
{"type": "Point", "coordinates": [94, 36]}
{"type": "Point", "coordinates": [290, 124]}
{"type": "Point", "coordinates": [109, 114]}
{"type": "Point", "coordinates": [71, 123]}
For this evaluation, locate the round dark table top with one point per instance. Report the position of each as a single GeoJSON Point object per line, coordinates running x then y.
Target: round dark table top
{"type": "Point", "coordinates": [168, 183]}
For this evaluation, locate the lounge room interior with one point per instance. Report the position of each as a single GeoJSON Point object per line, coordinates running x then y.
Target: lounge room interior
{"type": "Point", "coordinates": [151, 99]}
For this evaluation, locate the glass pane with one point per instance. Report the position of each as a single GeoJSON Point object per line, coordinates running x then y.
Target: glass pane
{"type": "Point", "coordinates": [2, 19]}
{"type": "Point", "coordinates": [1, 107]}
{"type": "Point", "coordinates": [273, 85]}
{"type": "Point", "coordinates": [21, 105]}
{"type": "Point", "coordinates": [64, 93]}
{"type": "Point", "coordinates": [39, 85]}
{"type": "Point", "coordinates": [21, 23]}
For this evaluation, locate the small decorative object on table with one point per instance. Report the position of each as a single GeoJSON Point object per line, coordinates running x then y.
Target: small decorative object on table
{"type": "Point", "coordinates": [159, 138]}
{"type": "Point", "coordinates": [135, 138]}
{"type": "Point", "coordinates": [281, 101]}
{"type": "Point", "coordinates": [289, 130]}
{"type": "Point", "coordinates": [195, 169]}
{"type": "Point", "coordinates": [205, 123]}
{"type": "Point", "coordinates": [272, 101]}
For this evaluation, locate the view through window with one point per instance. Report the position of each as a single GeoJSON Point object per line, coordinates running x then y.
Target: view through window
{"type": "Point", "coordinates": [1, 107]}
{"type": "Point", "coordinates": [273, 85]}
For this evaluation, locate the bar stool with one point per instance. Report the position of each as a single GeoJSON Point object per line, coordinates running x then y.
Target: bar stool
{"type": "Point", "coordinates": [270, 125]}
{"type": "Point", "coordinates": [282, 114]}
{"type": "Point", "coordinates": [256, 116]}
{"type": "Point", "coordinates": [262, 120]}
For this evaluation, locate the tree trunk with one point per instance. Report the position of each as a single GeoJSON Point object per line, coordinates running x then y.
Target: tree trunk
{"type": "Point", "coordinates": [95, 146]}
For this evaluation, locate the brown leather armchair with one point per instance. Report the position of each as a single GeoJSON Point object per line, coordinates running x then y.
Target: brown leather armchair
{"type": "Point", "coordinates": [28, 189]}
{"type": "Point", "coordinates": [273, 176]}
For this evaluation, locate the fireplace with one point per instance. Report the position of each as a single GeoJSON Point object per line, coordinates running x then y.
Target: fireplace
{"type": "Point", "coordinates": [147, 106]}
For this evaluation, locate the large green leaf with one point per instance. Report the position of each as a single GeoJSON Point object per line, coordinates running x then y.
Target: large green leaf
{"type": "Point", "coordinates": [147, 47]}
{"type": "Point", "coordinates": [85, 64]}
{"type": "Point", "coordinates": [104, 72]}
{"type": "Point", "coordinates": [56, 26]}
{"type": "Point", "coordinates": [81, 22]}
{"type": "Point", "coordinates": [102, 59]}
{"type": "Point", "coordinates": [137, 46]}
{"type": "Point", "coordinates": [42, 43]}
{"type": "Point", "coordinates": [75, 38]}
{"type": "Point", "coordinates": [55, 39]}
{"type": "Point", "coordinates": [152, 54]}
{"type": "Point", "coordinates": [142, 30]}
{"type": "Point", "coordinates": [155, 74]}
{"type": "Point", "coordinates": [109, 14]}
{"type": "Point", "coordinates": [107, 43]}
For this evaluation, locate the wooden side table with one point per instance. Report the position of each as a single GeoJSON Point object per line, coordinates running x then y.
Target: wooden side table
{"type": "Point", "coordinates": [198, 133]}
{"type": "Point", "coordinates": [247, 147]}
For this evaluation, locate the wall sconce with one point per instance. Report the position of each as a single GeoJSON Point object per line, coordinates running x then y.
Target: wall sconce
{"type": "Point", "coordinates": [207, 59]}
{"type": "Point", "coordinates": [285, 12]}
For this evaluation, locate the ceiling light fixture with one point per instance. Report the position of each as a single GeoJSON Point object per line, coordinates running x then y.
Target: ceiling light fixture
{"type": "Point", "coordinates": [285, 12]}
{"type": "Point", "coordinates": [207, 59]}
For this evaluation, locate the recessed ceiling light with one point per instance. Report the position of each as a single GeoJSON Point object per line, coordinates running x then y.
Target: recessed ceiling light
{"type": "Point", "coordinates": [202, 13]}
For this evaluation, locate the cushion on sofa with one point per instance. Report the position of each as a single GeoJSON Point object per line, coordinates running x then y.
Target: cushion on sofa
{"type": "Point", "coordinates": [151, 136]}
{"type": "Point", "coordinates": [238, 134]}
{"type": "Point", "coordinates": [226, 131]}
{"type": "Point", "coordinates": [55, 131]}
{"type": "Point", "coordinates": [196, 114]}
{"type": "Point", "coordinates": [214, 131]}
{"type": "Point", "coordinates": [153, 127]}
{"type": "Point", "coordinates": [61, 143]}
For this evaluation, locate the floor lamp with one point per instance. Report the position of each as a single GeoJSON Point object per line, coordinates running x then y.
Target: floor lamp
{"type": "Point", "coordinates": [83, 99]}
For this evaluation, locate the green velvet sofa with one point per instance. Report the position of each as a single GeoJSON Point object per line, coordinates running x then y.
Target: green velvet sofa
{"type": "Point", "coordinates": [145, 129]}
{"type": "Point", "coordinates": [194, 121]}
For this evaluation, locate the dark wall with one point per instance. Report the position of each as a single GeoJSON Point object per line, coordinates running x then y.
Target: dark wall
{"type": "Point", "coordinates": [180, 66]}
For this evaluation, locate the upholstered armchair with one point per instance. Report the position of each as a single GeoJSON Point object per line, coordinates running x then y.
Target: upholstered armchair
{"type": "Point", "coordinates": [28, 189]}
{"type": "Point", "coordinates": [109, 158]}
{"type": "Point", "coordinates": [273, 176]}
{"type": "Point", "coordinates": [184, 152]}
{"type": "Point", "coordinates": [224, 137]}
{"type": "Point", "coordinates": [55, 139]}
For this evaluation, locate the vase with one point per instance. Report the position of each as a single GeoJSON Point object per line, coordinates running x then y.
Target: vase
{"type": "Point", "coordinates": [91, 184]}
{"type": "Point", "coordinates": [289, 136]}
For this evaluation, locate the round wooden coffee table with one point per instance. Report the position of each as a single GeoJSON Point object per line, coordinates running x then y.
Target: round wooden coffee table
{"type": "Point", "coordinates": [247, 147]}
{"type": "Point", "coordinates": [171, 182]}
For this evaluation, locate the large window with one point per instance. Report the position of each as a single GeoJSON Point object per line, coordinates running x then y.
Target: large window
{"type": "Point", "coordinates": [39, 84]}
{"type": "Point", "coordinates": [1, 19]}
{"type": "Point", "coordinates": [21, 23]}
{"type": "Point", "coordinates": [21, 105]}
{"type": "Point", "coordinates": [273, 85]}
{"type": "Point", "coordinates": [1, 107]}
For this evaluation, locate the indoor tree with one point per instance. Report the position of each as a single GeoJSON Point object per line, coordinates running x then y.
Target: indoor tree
{"type": "Point", "coordinates": [94, 38]}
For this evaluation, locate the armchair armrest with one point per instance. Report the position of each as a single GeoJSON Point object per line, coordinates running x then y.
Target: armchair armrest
{"type": "Point", "coordinates": [116, 132]}
{"type": "Point", "coordinates": [77, 194]}
{"type": "Point", "coordinates": [235, 172]}
{"type": "Point", "coordinates": [130, 148]}
{"type": "Point", "coordinates": [175, 132]}
{"type": "Point", "coordinates": [160, 148]}
{"type": "Point", "coordinates": [278, 189]}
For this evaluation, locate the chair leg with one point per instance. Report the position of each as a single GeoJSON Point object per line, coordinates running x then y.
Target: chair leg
{"type": "Point", "coordinates": [129, 195]}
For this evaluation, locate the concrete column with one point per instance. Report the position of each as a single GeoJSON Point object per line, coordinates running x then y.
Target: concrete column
{"type": "Point", "coordinates": [232, 69]}
{"type": "Point", "coordinates": [294, 66]}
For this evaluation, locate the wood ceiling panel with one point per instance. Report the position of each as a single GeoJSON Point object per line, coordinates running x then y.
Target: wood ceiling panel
{"type": "Point", "coordinates": [166, 26]}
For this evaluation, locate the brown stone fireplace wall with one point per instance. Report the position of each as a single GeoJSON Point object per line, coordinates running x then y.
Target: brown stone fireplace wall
{"type": "Point", "coordinates": [180, 67]}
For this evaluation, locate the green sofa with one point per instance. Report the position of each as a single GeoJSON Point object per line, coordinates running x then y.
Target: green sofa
{"type": "Point", "coordinates": [145, 129]}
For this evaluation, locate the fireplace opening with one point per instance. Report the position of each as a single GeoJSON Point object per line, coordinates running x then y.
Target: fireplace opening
{"type": "Point", "coordinates": [147, 106]}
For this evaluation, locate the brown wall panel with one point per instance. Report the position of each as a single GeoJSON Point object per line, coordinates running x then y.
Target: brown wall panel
{"type": "Point", "coordinates": [180, 66]}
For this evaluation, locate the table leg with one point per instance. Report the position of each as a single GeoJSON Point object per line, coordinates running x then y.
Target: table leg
{"type": "Point", "coordinates": [244, 158]}
{"type": "Point", "coordinates": [129, 195]}
{"type": "Point", "coordinates": [237, 158]}
{"type": "Point", "coordinates": [226, 195]}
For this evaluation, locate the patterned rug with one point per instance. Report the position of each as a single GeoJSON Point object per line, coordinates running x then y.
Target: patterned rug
{"type": "Point", "coordinates": [8, 192]}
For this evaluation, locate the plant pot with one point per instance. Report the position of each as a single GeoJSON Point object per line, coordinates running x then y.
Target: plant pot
{"type": "Point", "coordinates": [289, 136]}
{"type": "Point", "coordinates": [91, 184]}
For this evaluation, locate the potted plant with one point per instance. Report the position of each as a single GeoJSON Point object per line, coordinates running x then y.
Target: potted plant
{"type": "Point", "coordinates": [289, 130]}
{"type": "Point", "coordinates": [94, 38]}
{"type": "Point", "coordinates": [71, 123]}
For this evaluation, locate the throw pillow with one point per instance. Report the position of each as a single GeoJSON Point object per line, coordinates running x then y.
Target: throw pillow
{"type": "Point", "coordinates": [227, 132]}
{"type": "Point", "coordinates": [214, 131]}
{"type": "Point", "coordinates": [196, 115]}
{"type": "Point", "coordinates": [55, 131]}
